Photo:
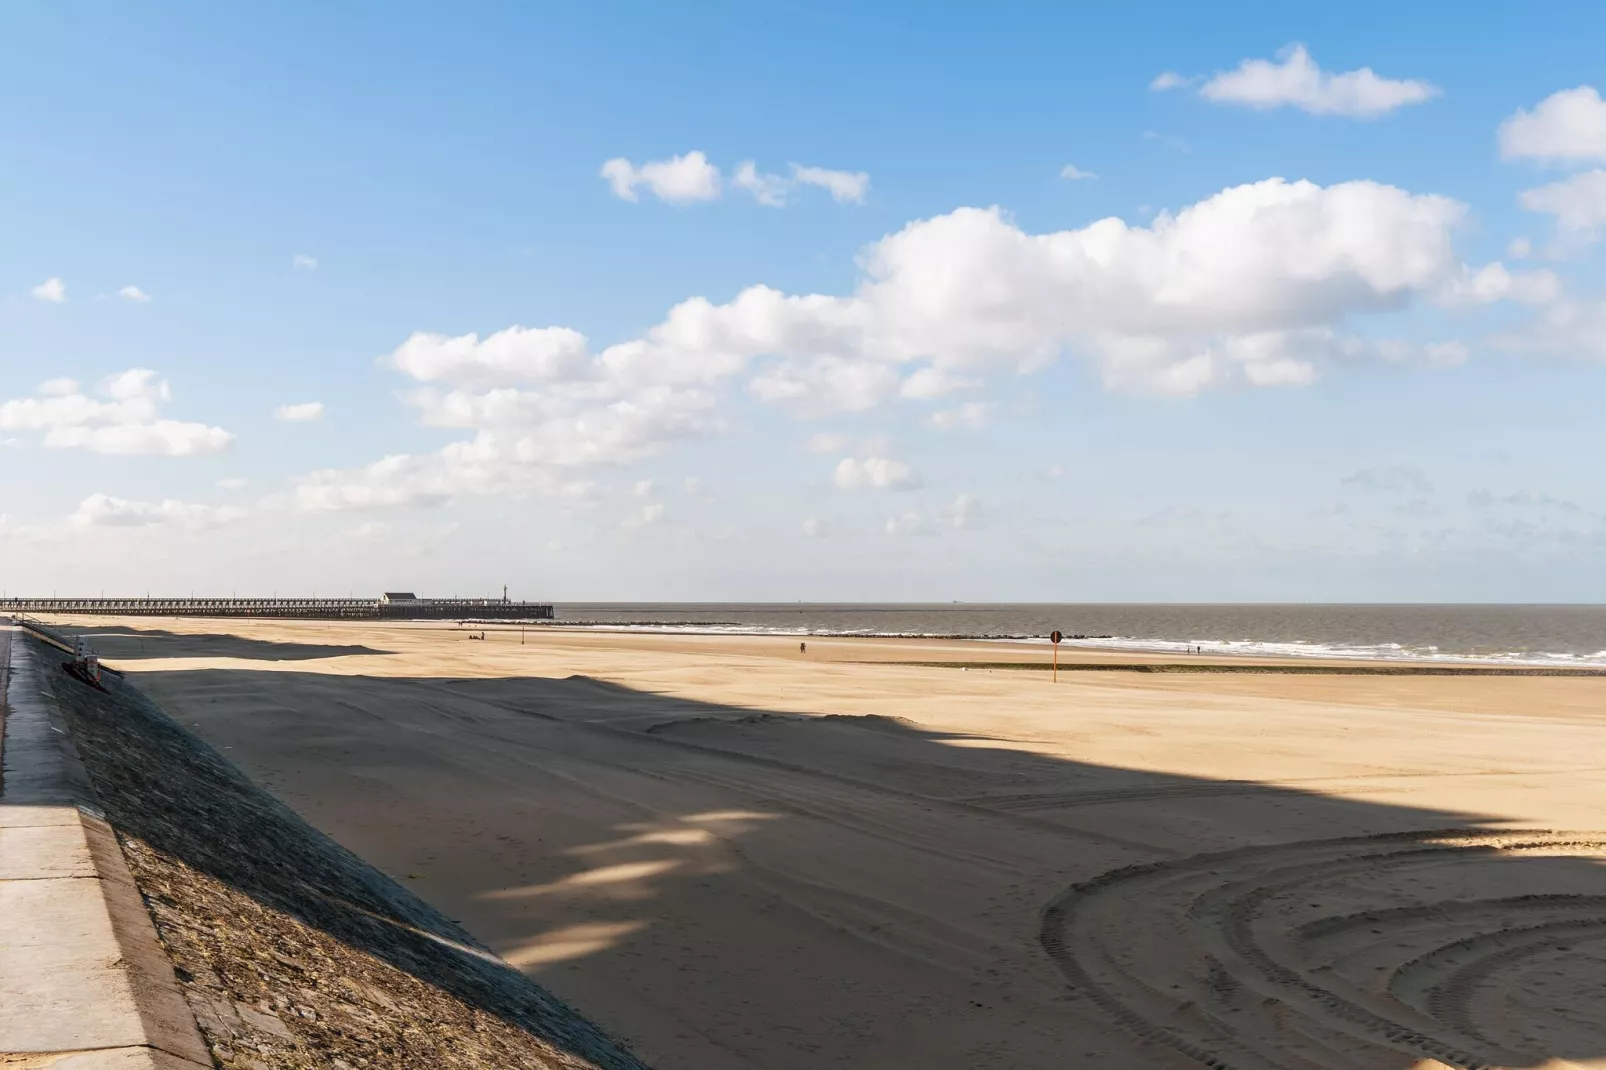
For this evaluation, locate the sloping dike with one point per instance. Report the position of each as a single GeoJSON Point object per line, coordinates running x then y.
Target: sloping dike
{"type": "Point", "coordinates": [291, 951]}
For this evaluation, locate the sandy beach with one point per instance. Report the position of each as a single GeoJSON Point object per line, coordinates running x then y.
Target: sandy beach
{"type": "Point", "coordinates": [733, 854]}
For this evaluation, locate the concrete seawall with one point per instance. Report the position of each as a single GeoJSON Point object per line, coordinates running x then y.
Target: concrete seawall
{"type": "Point", "coordinates": [84, 983]}
{"type": "Point", "coordinates": [158, 910]}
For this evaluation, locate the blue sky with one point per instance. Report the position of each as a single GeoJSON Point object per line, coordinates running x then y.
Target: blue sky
{"type": "Point", "coordinates": [1376, 379]}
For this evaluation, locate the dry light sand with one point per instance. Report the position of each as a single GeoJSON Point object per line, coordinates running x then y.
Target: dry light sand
{"type": "Point", "coordinates": [737, 856]}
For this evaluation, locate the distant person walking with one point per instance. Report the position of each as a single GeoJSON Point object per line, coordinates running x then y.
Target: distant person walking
{"type": "Point", "coordinates": [802, 648]}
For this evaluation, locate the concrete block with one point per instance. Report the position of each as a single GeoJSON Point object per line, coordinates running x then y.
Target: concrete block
{"type": "Point", "coordinates": [63, 986]}
{"type": "Point", "coordinates": [34, 816]}
{"type": "Point", "coordinates": [34, 852]}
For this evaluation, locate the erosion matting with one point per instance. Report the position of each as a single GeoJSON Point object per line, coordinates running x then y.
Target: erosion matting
{"type": "Point", "coordinates": [292, 951]}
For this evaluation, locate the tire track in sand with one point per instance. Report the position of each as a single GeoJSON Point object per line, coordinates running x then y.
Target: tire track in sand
{"type": "Point", "coordinates": [1301, 954]}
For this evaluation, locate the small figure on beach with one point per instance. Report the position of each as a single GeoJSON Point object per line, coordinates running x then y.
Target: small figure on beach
{"type": "Point", "coordinates": [802, 648]}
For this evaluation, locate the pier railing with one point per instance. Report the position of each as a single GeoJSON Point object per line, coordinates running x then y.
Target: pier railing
{"type": "Point", "coordinates": [286, 608]}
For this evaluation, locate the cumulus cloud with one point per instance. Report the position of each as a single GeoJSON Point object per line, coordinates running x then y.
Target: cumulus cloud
{"type": "Point", "coordinates": [1249, 286]}
{"type": "Point", "coordinates": [103, 510]}
{"type": "Point", "coordinates": [508, 357]}
{"type": "Point", "coordinates": [125, 418]}
{"type": "Point", "coordinates": [677, 180]}
{"type": "Point", "coordinates": [1294, 80]}
{"type": "Point", "coordinates": [134, 294]}
{"type": "Point", "coordinates": [303, 262]}
{"type": "Point", "coordinates": [813, 528]}
{"type": "Point", "coordinates": [874, 473]}
{"type": "Point", "coordinates": [52, 290]}
{"type": "Point", "coordinates": [1073, 172]}
{"type": "Point", "coordinates": [539, 404]}
{"type": "Point", "coordinates": [827, 383]}
{"type": "Point", "coordinates": [1577, 202]}
{"type": "Point", "coordinates": [1255, 286]}
{"type": "Point", "coordinates": [304, 413]}
{"type": "Point", "coordinates": [1566, 127]}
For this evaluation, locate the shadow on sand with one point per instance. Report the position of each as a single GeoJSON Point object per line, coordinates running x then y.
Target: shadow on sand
{"type": "Point", "coordinates": [121, 643]}
{"type": "Point", "coordinates": [735, 888]}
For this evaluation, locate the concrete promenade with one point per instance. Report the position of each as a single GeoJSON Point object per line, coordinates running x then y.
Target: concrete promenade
{"type": "Point", "coordinates": [84, 985]}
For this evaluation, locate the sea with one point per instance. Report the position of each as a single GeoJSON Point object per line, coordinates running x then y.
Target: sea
{"type": "Point", "coordinates": [1508, 634]}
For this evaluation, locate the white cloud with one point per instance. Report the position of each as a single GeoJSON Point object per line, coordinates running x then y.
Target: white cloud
{"type": "Point", "coordinates": [1169, 80]}
{"type": "Point", "coordinates": [134, 294]}
{"type": "Point", "coordinates": [1252, 285]}
{"type": "Point", "coordinates": [102, 510]}
{"type": "Point", "coordinates": [775, 190]}
{"type": "Point", "coordinates": [813, 528]}
{"type": "Point", "coordinates": [928, 383]}
{"type": "Point", "coordinates": [304, 413]}
{"type": "Point", "coordinates": [509, 357]}
{"type": "Point", "coordinates": [1578, 203]}
{"type": "Point", "coordinates": [971, 416]}
{"type": "Point", "coordinates": [1494, 282]}
{"type": "Point", "coordinates": [826, 384]}
{"type": "Point", "coordinates": [1073, 172]}
{"type": "Point", "coordinates": [1566, 327]}
{"type": "Point", "coordinates": [677, 180]}
{"type": "Point", "coordinates": [907, 524]}
{"type": "Point", "coordinates": [1255, 286]}
{"type": "Point", "coordinates": [642, 488]}
{"type": "Point", "coordinates": [844, 186]}
{"type": "Point", "coordinates": [770, 189]}
{"type": "Point", "coordinates": [1566, 127]}
{"type": "Point", "coordinates": [1520, 248]}
{"type": "Point", "coordinates": [1294, 80]}
{"type": "Point", "coordinates": [965, 512]}
{"type": "Point", "coordinates": [875, 473]}
{"type": "Point", "coordinates": [303, 262]}
{"type": "Point", "coordinates": [52, 290]}
{"type": "Point", "coordinates": [123, 420]}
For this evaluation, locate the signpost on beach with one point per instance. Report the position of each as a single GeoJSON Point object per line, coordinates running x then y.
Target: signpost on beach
{"type": "Point", "coordinates": [1055, 638]}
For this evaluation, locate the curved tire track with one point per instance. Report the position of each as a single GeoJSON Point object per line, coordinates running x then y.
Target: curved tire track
{"type": "Point", "coordinates": [1228, 957]}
